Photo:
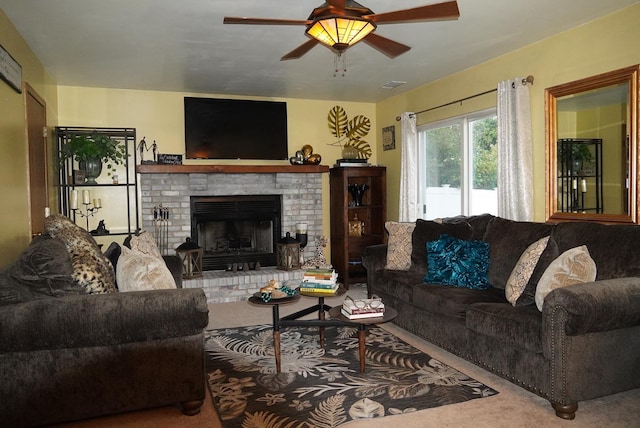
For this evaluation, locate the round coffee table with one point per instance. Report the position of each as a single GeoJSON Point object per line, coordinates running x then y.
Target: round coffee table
{"type": "Point", "coordinates": [389, 315]}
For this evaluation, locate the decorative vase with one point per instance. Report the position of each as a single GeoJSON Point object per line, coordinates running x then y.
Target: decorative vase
{"type": "Point", "coordinates": [92, 169]}
{"type": "Point", "coordinates": [349, 152]}
{"type": "Point", "coordinates": [576, 164]}
{"type": "Point", "coordinates": [357, 193]}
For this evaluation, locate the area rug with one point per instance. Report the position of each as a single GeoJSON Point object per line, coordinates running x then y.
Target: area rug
{"type": "Point", "coordinates": [324, 388]}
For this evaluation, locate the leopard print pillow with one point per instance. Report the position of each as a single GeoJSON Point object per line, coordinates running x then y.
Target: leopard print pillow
{"type": "Point", "coordinates": [91, 269]}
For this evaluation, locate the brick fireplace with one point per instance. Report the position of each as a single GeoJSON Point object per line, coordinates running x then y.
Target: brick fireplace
{"type": "Point", "coordinates": [173, 186]}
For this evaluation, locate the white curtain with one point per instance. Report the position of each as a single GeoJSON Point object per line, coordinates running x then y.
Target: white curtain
{"type": "Point", "coordinates": [409, 201]}
{"type": "Point", "coordinates": [515, 151]}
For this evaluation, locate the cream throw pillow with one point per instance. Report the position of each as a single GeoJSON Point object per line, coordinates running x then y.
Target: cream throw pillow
{"type": "Point", "coordinates": [145, 243]}
{"type": "Point", "coordinates": [399, 245]}
{"type": "Point", "coordinates": [137, 271]}
{"type": "Point", "coordinates": [523, 270]}
{"type": "Point", "coordinates": [574, 266]}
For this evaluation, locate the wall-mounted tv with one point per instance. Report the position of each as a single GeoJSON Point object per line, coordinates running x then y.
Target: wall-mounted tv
{"type": "Point", "coordinates": [235, 129]}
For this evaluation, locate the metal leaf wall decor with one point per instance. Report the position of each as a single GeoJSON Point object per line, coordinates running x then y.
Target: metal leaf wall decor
{"type": "Point", "coordinates": [353, 131]}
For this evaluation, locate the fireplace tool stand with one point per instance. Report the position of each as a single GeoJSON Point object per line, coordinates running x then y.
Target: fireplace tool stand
{"type": "Point", "coordinates": [161, 225]}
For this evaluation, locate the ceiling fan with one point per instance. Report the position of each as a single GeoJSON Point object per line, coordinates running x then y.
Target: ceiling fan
{"type": "Point", "coordinates": [339, 24]}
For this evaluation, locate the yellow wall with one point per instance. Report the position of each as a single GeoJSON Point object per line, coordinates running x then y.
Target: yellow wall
{"type": "Point", "coordinates": [15, 232]}
{"type": "Point", "coordinates": [159, 116]}
{"type": "Point", "coordinates": [602, 45]}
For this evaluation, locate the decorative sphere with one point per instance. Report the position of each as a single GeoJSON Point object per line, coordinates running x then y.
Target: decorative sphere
{"type": "Point", "coordinates": [307, 150]}
{"type": "Point", "coordinates": [314, 159]}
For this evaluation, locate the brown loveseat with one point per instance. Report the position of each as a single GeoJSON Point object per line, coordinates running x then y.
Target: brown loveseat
{"type": "Point", "coordinates": [585, 343]}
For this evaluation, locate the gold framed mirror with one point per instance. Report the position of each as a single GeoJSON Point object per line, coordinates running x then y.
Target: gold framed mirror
{"type": "Point", "coordinates": [592, 148]}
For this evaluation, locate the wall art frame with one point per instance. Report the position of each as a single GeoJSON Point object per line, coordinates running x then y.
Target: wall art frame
{"type": "Point", "coordinates": [10, 70]}
{"type": "Point", "coordinates": [389, 138]}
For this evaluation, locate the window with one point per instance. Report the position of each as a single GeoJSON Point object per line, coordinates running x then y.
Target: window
{"type": "Point", "coordinates": [458, 166]}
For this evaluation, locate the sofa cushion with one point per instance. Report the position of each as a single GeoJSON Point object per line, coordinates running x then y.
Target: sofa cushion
{"type": "Point", "coordinates": [430, 231]}
{"type": "Point", "coordinates": [523, 270]}
{"type": "Point", "coordinates": [113, 252]}
{"type": "Point", "coordinates": [397, 283]}
{"type": "Point", "coordinates": [456, 262]}
{"type": "Point", "coordinates": [452, 302]}
{"type": "Point", "coordinates": [517, 326]}
{"type": "Point", "coordinates": [42, 270]}
{"type": "Point", "coordinates": [508, 239]}
{"type": "Point", "coordinates": [91, 269]}
{"type": "Point", "coordinates": [479, 223]}
{"type": "Point", "coordinates": [399, 245]}
{"type": "Point", "coordinates": [614, 249]}
{"type": "Point", "coordinates": [138, 271]}
{"type": "Point", "coordinates": [574, 266]}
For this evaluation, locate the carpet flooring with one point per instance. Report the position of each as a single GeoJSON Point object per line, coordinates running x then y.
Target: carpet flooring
{"type": "Point", "coordinates": [324, 387]}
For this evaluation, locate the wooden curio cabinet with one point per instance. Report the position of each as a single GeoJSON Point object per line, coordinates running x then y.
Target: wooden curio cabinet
{"type": "Point", "coordinates": [357, 217]}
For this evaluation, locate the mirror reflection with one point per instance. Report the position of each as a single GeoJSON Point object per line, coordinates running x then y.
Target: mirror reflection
{"type": "Point", "coordinates": [590, 141]}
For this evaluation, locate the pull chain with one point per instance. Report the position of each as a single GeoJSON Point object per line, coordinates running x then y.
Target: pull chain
{"type": "Point", "coordinates": [340, 58]}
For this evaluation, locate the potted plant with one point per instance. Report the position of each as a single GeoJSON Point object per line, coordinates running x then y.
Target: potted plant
{"type": "Point", "coordinates": [91, 151]}
{"type": "Point", "coordinates": [575, 155]}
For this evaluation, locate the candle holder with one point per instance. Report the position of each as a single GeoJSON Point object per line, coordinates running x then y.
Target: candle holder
{"type": "Point", "coordinates": [302, 238]}
{"type": "Point", "coordinates": [88, 212]}
{"type": "Point", "coordinates": [86, 201]}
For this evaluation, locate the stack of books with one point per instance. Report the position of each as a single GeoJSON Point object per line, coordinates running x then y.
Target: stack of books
{"type": "Point", "coordinates": [362, 308]}
{"type": "Point", "coordinates": [323, 281]}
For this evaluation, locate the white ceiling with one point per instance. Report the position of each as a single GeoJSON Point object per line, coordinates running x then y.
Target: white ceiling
{"type": "Point", "coordinates": [182, 45]}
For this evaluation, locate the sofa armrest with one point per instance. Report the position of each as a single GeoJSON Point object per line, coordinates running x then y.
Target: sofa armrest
{"type": "Point", "coordinates": [102, 319]}
{"type": "Point", "coordinates": [594, 307]}
{"type": "Point", "coordinates": [374, 257]}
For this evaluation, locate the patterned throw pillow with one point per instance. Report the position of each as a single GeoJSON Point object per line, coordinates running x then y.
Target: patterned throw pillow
{"type": "Point", "coordinates": [457, 262]}
{"type": "Point", "coordinates": [523, 270]}
{"type": "Point", "coordinates": [574, 266]}
{"type": "Point", "coordinates": [91, 269]}
{"type": "Point", "coordinates": [399, 245]}
{"type": "Point", "coordinates": [137, 271]}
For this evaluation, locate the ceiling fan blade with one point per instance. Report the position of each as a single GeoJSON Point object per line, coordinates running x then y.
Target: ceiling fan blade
{"type": "Point", "coordinates": [263, 21]}
{"type": "Point", "coordinates": [432, 12]}
{"type": "Point", "coordinates": [300, 50]}
{"type": "Point", "coordinates": [386, 46]}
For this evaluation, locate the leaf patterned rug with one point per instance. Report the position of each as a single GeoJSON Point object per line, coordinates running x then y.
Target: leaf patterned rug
{"type": "Point", "coordinates": [324, 388]}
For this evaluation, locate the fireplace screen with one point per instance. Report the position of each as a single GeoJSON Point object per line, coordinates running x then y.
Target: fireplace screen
{"type": "Point", "coordinates": [240, 230]}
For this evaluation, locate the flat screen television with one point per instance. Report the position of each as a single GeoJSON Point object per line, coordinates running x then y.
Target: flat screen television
{"type": "Point", "coordinates": [235, 129]}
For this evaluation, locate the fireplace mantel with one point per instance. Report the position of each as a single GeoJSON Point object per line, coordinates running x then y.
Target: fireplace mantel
{"type": "Point", "coordinates": [230, 169]}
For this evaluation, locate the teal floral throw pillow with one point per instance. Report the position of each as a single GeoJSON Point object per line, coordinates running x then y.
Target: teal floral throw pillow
{"type": "Point", "coordinates": [456, 262]}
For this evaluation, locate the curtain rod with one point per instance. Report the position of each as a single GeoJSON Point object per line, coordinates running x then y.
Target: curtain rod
{"type": "Point", "coordinates": [526, 80]}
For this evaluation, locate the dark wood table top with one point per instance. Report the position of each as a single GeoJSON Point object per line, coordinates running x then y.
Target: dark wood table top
{"type": "Point", "coordinates": [256, 299]}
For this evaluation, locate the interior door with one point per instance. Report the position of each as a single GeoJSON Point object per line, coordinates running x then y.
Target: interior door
{"type": "Point", "coordinates": [37, 141]}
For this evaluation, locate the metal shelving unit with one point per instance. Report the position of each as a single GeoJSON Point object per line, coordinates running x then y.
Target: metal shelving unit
{"type": "Point", "coordinates": [579, 181]}
{"type": "Point", "coordinates": [116, 196]}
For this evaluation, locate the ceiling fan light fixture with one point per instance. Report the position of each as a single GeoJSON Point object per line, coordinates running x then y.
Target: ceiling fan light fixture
{"type": "Point", "coordinates": [340, 32]}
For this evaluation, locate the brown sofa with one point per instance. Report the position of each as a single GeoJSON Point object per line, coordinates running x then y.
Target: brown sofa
{"type": "Point", "coordinates": [66, 355]}
{"type": "Point", "coordinates": [585, 343]}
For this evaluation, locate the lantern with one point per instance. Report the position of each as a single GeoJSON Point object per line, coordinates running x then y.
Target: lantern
{"type": "Point", "coordinates": [288, 253]}
{"type": "Point", "coordinates": [191, 256]}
